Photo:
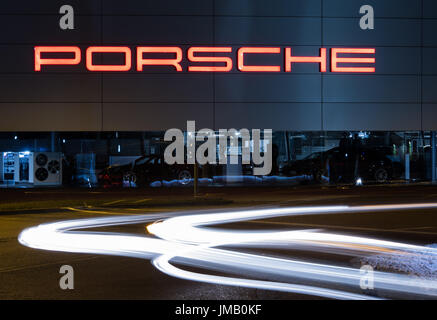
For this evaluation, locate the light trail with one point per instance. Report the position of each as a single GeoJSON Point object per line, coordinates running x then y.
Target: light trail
{"type": "Point", "coordinates": [189, 239]}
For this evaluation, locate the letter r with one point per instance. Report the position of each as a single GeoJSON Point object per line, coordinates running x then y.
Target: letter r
{"type": "Point", "coordinates": [175, 62]}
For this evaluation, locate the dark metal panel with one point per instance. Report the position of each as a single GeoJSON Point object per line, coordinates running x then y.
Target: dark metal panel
{"type": "Point", "coordinates": [155, 116]}
{"type": "Point", "coordinates": [267, 31]}
{"type": "Point", "coordinates": [382, 8]}
{"type": "Point", "coordinates": [50, 117]}
{"type": "Point", "coordinates": [48, 7]}
{"type": "Point", "coordinates": [249, 97]}
{"type": "Point", "coordinates": [397, 60]}
{"type": "Point", "coordinates": [267, 88]}
{"type": "Point", "coordinates": [429, 92]}
{"type": "Point", "coordinates": [429, 116]}
{"type": "Point", "coordinates": [371, 88]}
{"type": "Point", "coordinates": [16, 58]}
{"type": "Point", "coordinates": [157, 87]}
{"type": "Point", "coordinates": [429, 33]}
{"type": "Point", "coordinates": [49, 88]}
{"type": "Point", "coordinates": [157, 30]}
{"type": "Point", "coordinates": [290, 8]}
{"type": "Point", "coordinates": [429, 61]}
{"type": "Point", "coordinates": [374, 116]}
{"type": "Point", "coordinates": [429, 9]}
{"type": "Point", "coordinates": [276, 116]}
{"type": "Point", "coordinates": [45, 30]}
{"type": "Point", "coordinates": [388, 32]}
{"type": "Point", "coordinates": [153, 7]}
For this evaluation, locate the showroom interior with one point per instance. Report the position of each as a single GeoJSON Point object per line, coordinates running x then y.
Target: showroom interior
{"type": "Point", "coordinates": [76, 159]}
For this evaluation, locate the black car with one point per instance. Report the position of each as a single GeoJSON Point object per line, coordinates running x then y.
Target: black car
{"type": "Point", "coordinates": [144, 171]}
{"type": "Point", "coordinates": [347, 164]}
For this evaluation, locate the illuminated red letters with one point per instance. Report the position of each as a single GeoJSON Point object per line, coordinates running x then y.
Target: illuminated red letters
{"type": "Point", "coordinates": [39, 61]}
{"type": "Point", "coordinates": [193, 58]}
{"type": "Point", "coordinates": [204, 59]}
{"type": "Point", "coordinates": [335, 60]}
{"type": "Point", "coordinates": [127, 59]}
{"type": "Point", "coordinates": [242, 67]}
{"type": "Point", "coordinates": [175, 62]}
{"type": "Point", "coordinates": [290, 59]}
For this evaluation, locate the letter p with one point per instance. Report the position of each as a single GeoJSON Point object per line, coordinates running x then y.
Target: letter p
{"type": "Point", "coordinates": [39, 60]}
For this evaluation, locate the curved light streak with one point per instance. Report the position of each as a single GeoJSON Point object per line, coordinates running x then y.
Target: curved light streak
{"type": "Point", "coordinates": [189, 239]}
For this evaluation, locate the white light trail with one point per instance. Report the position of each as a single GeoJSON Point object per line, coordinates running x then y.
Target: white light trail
{"type": "Point", "coordinates": [189, 239]}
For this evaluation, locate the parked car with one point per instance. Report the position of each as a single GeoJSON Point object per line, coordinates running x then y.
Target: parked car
{"type": "Point", "coordinates": [145, 170]}
{"type": "Point", "coordinates": [346, 164]}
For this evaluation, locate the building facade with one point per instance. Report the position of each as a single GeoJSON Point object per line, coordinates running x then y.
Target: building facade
{"type": "Point", "coordinates": [65, 108]}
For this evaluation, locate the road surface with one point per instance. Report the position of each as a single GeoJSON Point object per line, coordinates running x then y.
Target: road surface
{"type": "Point", "coordinates": [280, 250]}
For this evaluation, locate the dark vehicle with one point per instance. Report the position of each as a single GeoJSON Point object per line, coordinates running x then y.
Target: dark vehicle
{"type": "Point", "coordinates": [346, 165]}
{"type": "Point", "coordinates": [144, 171]}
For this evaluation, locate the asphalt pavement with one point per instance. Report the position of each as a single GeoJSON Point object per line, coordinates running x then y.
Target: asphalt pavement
{"type": "Point", "coordinates": [28, 273]}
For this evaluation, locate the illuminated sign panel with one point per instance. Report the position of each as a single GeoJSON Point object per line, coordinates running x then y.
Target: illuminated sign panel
{"type": "Point", "coordinates": [289, 59]}
{"type": "Point", "coordinates": [125, 50]}
{"type": "Point", "coordinates": [335, 60]}
{"type": "Point", "coordinates": [39, 61]}
{"type": "Point", "coordinates": [175, 62]}
{"type": "Point", "coordinates": [200, 55]}
{"type": "Point", "coordinates": [226, 60]}
{"type": "Point", "coordinates": [246, 50]}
